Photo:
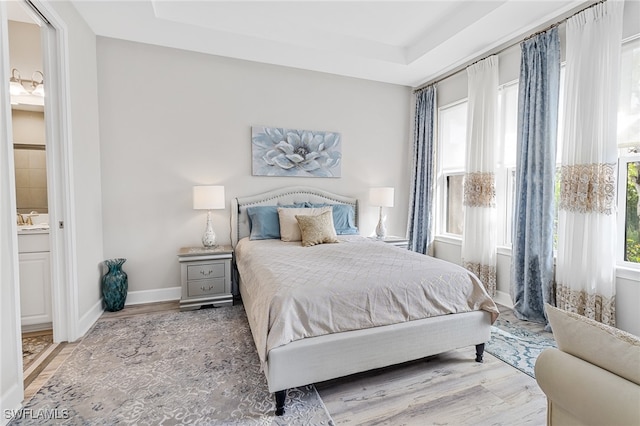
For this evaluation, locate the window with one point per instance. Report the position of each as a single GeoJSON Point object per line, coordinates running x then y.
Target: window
{"type": "Point", "coordinates": [629, 154]}
{"type": "Point", "coordinates": [560, 138]}
{"type": "Point", "coordinates": [507, 156]}
{"type": "Point", "coordinates": [452, 132]}
{"type": "Point", "coordinates": [452, 139]}
{"type": "Point", "coordinates": [455, 198]}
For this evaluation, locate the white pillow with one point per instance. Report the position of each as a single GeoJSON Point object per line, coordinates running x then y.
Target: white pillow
{"type": "Point", "coordinates": [289, 229]}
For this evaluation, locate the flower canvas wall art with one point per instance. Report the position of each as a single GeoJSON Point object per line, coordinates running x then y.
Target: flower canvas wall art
{"type": "Point", "coordinates": [289, 152]}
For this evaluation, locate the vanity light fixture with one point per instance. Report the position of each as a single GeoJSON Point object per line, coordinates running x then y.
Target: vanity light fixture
{"type": "Point", "coordinates": [381, 197]}
{"type": "Point", "coordinates": [208, 197]}
{"type": "Point", "coordinates": [20, 87]}
{"type": "Point", "coordinates": [37, 88]}
{"type": "Point", "coordinates": [15, 84]}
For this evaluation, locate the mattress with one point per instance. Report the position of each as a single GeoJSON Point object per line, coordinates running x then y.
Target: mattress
{"type": "Point", "coordinates": [296, 292]}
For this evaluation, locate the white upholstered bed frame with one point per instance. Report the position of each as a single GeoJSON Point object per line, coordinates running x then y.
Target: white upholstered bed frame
{"type": "Point", "coordinates": [316, 359]}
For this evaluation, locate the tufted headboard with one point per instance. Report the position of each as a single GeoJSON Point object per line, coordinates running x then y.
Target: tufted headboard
{"type": "Point", "coordinates": [283, 196]}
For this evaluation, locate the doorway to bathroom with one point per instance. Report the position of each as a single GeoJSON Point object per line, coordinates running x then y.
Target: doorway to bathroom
{"type": "Point", "coordinates": [27, 92]}
{"type": "Point", "coordinates": [49, 32]}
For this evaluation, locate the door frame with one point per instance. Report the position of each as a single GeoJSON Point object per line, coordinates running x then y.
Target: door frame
{"type": "Point", "coordinates": [64, 291]}
{"type": "Point", "coordinates": [54, 36]}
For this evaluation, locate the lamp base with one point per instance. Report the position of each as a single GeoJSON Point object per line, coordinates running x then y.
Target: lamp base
{"type": "Point", "coordinates": [209, 237]}
{"type": "Point", "coordinates": [381, 229]}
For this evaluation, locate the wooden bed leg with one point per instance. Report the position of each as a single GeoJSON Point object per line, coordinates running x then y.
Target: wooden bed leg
{"type": "Point", "coordinates": [479, 352]}
{"type": "Point", "coordinates": [280, 397]}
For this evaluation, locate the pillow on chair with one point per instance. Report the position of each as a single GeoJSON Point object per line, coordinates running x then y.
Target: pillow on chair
{"type": "Point", "coordinates": [607, 347]}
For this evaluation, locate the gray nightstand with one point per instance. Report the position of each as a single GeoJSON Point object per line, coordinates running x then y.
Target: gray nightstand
{"type": "Point", "coordinates": [396, 241]}
{"type": "Point", "coordinates": [205, 276]}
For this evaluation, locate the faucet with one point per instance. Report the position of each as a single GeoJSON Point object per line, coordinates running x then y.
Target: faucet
{"type": "Point", "coordinates": [22, 221]}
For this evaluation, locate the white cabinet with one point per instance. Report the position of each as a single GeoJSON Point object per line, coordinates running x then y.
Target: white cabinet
{"type": "Point", "coordinates": [35, 280]}
{"type": "Point", "coordinates": [35, 288]}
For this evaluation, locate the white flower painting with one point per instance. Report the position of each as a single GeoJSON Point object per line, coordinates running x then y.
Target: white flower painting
{"type": "Point", "coordinates": [289, 152]}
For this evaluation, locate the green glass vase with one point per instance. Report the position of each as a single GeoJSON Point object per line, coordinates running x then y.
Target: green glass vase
{"type": "Point", "coordinates": [114, 285]}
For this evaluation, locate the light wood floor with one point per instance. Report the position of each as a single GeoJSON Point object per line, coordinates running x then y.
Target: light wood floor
{"type": "Point", "coordinates": [448, 389]}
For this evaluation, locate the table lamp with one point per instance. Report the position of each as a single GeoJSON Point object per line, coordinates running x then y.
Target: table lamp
{"type": "Point", "coordinates": [381, 197]}
{"type": "Point", "coordinates": [208, 197]}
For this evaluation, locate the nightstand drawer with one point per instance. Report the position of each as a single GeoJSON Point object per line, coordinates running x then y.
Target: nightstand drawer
{"type": "Point", "coordinates": [205, 277]}
{"type": "Point", "coordinates": [206, 287]}
{"type": "Point", "coordinates": [206, 271]}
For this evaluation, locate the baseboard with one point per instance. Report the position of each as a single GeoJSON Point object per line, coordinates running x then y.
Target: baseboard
{"type": "Point", "coordinates": [503, 299]}
{"type": "Point", "coordinates": [152, 296]}
{"type": "Point", "coordinates": [89, 319]}
{"type": "Point", "coordinates": [11, 402]}
{"type": "Point", "coordinates": [37, 327]}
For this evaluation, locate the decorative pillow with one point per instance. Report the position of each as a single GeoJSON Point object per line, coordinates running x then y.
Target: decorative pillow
{"type": "Point", "coordinates": [289, 229]}
{"type": "Point", "coordinates": [264, 222]}
{"type": "Point", "coordinates": [317, 229]}
{"type": "Point", "coordinates": [607, 347]}
{"type": "Point", "coordinates": [344, 218]}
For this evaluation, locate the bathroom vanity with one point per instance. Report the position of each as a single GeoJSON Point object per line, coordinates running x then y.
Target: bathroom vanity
{"type": "Point", "coordinates": [35, 277]}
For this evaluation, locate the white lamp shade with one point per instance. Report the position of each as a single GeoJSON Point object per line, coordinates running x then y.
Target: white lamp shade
{"type": "Point", "coordinates": [381, 197]}
{"type": "Point", "coordinates": [208, 197]}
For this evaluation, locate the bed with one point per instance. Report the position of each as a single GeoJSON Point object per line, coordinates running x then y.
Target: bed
{"type": "Point", "coordinates": [330, 310]}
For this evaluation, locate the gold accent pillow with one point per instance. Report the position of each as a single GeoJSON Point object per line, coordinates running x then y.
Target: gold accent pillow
{"type": "Point", "coordinates": [317, 229]}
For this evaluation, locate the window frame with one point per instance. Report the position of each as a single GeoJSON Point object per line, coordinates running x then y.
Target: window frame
{"type": "Point", "coordinates": [505, 177]}
{"type": "Point", "coordinates": [442, 175]}
{"type": "Point", "coordinates": [621, 217]}
{"type": "Point", "coordinates": [624, 158]}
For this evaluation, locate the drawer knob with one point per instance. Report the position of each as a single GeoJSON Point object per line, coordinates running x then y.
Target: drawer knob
{"type": "Point", "coordinates": [206, 289]}
{"type": "Point", "coordinates": [206, 274]}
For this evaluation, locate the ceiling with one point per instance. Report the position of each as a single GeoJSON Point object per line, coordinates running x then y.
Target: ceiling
{"type": "Point", "coordinates": [400, 42]}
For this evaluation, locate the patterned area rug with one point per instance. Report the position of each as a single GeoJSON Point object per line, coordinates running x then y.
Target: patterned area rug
{"type": "Point", "coordinates": [33, 345]}
{"type": "Point", "coordinates": [195, 367]}
{"type": "Point", "coordinates": [518, 343]}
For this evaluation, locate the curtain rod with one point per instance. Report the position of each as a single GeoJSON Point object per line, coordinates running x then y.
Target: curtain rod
{"type": "Point", "coordinates": [501, 50]}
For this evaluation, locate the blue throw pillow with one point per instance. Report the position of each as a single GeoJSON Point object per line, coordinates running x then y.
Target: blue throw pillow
{"type": "Point", "coordinates": [264, 222]}
{"type": "Point", "coordinates": [344, 218]}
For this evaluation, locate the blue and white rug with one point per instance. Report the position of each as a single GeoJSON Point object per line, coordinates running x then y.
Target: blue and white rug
{"type": "Point", "coordinates": [518, 343]}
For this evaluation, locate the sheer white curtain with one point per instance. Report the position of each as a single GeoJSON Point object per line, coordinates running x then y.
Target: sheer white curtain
{"type": "Point", "coordinates": [479, 235]}
{"type": "Point", "coordinates": [585, 276]}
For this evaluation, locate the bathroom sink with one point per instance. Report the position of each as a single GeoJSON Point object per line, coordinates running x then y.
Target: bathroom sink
{"type": "Point", "coordinates": [40, 227]}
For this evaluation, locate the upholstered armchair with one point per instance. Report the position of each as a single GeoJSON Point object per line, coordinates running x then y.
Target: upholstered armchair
{"type": "Point", "coordinates": [593, 378]}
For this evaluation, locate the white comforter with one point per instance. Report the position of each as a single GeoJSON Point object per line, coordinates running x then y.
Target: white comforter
{"type": "Point", "coordinates": [291, 292]}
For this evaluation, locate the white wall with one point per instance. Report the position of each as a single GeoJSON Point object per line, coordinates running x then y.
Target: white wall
{"type": "Point", "coordinates": [171, 119]}
{"type": "Point", "coordinates": [454, 89]}
{"type": "Point", "coordinates": [84, 154]}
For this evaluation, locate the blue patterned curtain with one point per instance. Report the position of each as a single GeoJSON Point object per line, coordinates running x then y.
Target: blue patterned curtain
{"type": "Point", "coordinates": [532, 254]}
{"type": "Point", "coordinates": [423, 177]}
